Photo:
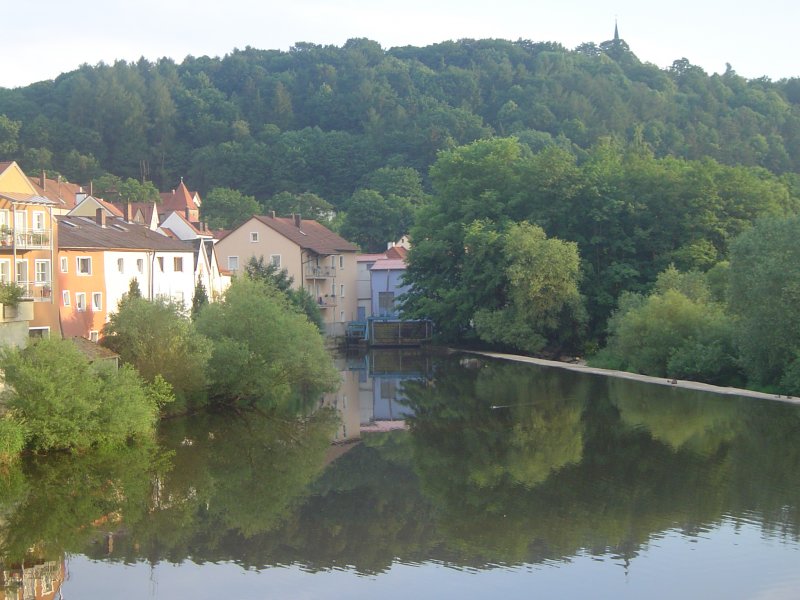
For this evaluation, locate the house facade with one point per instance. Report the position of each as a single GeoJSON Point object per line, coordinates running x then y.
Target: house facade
{"type": "Point", "coordinates": [386, 283]}
{"type": "Point", "coordinates": [318, 260]}
{"type": "Point", "coordinates": [99, 257]}
{"type": "Point", "coordinates": [28, 240]}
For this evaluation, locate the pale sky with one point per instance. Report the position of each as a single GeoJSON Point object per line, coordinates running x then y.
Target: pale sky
{"type": "Point", "coordinates": [42, 39]}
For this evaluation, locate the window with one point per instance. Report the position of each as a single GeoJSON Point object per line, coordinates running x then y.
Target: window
{"type": "Point", "coordinates": [94, 336]}
{"type": "Point", "coordinates": [4, 218]}
{"type": "Point", "coordinates": [140, 265]}
{"type": "Point", "coordinates": [177, 264]}
{"type": "Point", "coordinates": [341, 262]}
{"type": "Point", "coordinates": [38, 220]}
{"type": "Point", "coordinates": [179, 297]}
{"type": "Point", "coordinates": [64, 264]}
{"type": "Point", "coordinates": [80, 301]}
{"type": "Point", "coordinates": [22, 271]}
{"type": "Point", "coordinates": [341, 291]}
{"type": "Point", "coordinates": [275, 260]}
{"type": "Point", "coordinates": [65, 297]}
{"type": "Point", "coordinates": [83, 265]}
{"type": "Point", "coordinates": [121, 265]}
{"type": "Point", "coordinates": [5, 271]}
{"type": "Point", "coordinates": [97, 301]}
{"type": "Point", "coordinates": [253, 236]}
{"type": "Point", "coordinates": [38, 332]}
{"type": "Point", "coordinates": [161, 263]}
{"type": "Point", "coordinates": [385, 302]}
{"type": "Point", "coordinates": [42, 271]}
{"type": "Point", "coordinates": [233, 263]}
{"type": "Point", "coordinates": [20, 219]}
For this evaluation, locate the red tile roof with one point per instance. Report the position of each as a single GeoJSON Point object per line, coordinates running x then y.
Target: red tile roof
{"type": "Point", "coordinates": [178, 200]}
{"type": "Point", "coordinates": [61, 192]}
{"type": "Point", "coordinates": [309, 235]}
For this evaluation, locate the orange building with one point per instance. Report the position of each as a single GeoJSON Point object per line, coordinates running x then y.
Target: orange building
{"type": "Point", "coordinates": [27, 245]}
{"type": "Point", "coordinates": [82, 301]}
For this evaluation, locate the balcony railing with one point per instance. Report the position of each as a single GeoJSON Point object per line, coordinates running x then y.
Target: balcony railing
{"type": "Point", "coordinates": [320, 272]}
{"type": "Point", "coordinates": [38, 291]}
{"type": "Point", "coordinates": [25, 238]}
{"type": "Point", "coordinates": [327, 301]}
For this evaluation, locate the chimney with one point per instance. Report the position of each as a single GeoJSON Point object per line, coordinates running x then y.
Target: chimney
{"type": "Point", "coordinates": [297, 220]}
{"type": "Point", "coordinates": [272, 213]}
{"type": "Point", "coordinates": [80, 196]}
{"type": "Point", "coordinates": [43, 180]}
{"type": "Point", "coordinates": [129, 212]}
{"type": "Point", "coordinates": [100, 217]}
{"type": "Point", "coordinates": [186, 214]}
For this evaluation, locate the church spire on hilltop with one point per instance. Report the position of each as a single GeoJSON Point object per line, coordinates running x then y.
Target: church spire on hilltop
{"type": "Point", "coordinates": [616, 30]}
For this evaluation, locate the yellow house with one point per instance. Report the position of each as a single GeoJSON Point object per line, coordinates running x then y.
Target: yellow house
{"type": "Point", "coordinates": [317, 259]}
{"type": "Point", "coordinates": [27, 246]}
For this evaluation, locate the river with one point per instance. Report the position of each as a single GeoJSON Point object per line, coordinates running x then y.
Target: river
{"type": "Point", "coordinates": [449, 476]}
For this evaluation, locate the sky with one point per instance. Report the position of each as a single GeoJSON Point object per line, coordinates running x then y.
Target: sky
{"type": "Point", "coordinates": [42, 39]}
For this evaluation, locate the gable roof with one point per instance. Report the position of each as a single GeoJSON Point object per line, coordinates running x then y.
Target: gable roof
{"type": "Point", "coordinates": [389, 264]}
{"type": "Point", "coordinates": [178, 200]}
{"type": "Point", "coordinates": [83, 232]}
{"type": "Point", "coordinates": [308, 234]}
{"type": "Point", "coordinates": [62, 193]}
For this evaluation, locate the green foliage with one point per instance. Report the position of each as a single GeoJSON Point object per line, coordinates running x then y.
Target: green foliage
{"type": "Point", "coordinates": [113, 188]}
{"type": "Point", "coordinates": [225, 208]}
{"type": "Point", "coordinates": [64, 402]}
{"type": "Point", "coordinates": [669, 334]}
{"type": "Point", "coordinates": [263, 350]}
{"type": "Point", "coordinates": [133, 289]}
{"type": "Point", "coordinates": [373, 220]}
{"type": "Point", "coordinates": [542, 289]}
{"type": "Point", "coordinates": [158, 339]}
{"type": "Point", "coordinates": [765, 297]}
{"type": "Point", "coordinates": [12, 438]}
{"type": "Point", "coordinates": [199, 299]}
{"type": "Point", "coordinates": [11, 293]}
{"type": "Point", "coordinates": [9, 133]}
{"type": "Point", "coordinates": [307, 204]}
{"type": "Point", "coordinates": [301, 299]}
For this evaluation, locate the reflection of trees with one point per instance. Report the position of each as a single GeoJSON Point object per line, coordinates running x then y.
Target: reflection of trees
{"type": "Point", "coordinates": [233, 478]}
{"type": "Point", "coordinates": [700, 422]}
{"type": "Point", "coordinates": [58, 503]}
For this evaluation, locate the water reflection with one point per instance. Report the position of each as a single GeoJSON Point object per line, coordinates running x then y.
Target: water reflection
{"type": "Point", "coordinates": [500, 465]}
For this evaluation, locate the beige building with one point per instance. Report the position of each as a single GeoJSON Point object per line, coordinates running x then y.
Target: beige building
{"type": "Point", "coordinates": [319, 261]}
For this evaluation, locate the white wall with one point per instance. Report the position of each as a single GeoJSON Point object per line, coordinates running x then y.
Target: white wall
{"type": "Point", "coordinates": [178, 285]}
{"type": "Point", "coordinates": [118, 283]}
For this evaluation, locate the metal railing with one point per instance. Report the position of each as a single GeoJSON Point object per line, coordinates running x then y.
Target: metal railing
{"type": "Point", "coordinates": [39, 291]}
{"type": "Point", "coordinates": [319, 272]}
{"type": "Point", "coordinates": [327, 301]}
{"type": "Point", "coordinates": [23, 237]}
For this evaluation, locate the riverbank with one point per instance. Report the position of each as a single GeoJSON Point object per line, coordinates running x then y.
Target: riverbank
{"type": "Point", "coordinates": [685, 384]}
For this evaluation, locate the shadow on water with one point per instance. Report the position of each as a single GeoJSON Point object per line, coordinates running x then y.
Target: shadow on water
{"type": "Point", "coordinates": [569, 464]}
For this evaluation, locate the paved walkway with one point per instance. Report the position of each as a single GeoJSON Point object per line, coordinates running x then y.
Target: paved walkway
{"type": "Point", "coordinates": [689, 385]}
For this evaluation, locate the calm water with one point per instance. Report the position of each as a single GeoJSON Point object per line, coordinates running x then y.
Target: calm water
{"type": "Point", "coordinates": [508, 481]}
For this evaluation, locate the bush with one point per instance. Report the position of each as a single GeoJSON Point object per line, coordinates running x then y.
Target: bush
{"type": "Point", "coordinates": [12, 439]}
{"type": "Point", "coordinates": [64, 402]}
{"type": "Point", "coordinates": [157, 339]}
{"type": "Point", "coordinates": [264, 350]}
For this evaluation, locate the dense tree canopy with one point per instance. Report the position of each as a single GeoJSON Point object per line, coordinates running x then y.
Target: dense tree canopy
{"type": "Point", "coordinates": [321, 118]}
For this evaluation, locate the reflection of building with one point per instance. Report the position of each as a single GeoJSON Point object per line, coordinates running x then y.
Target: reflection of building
{"type": "Point", "coordinates": [372, 389]}
{"type": "Point", "coordinates": [31, 582]}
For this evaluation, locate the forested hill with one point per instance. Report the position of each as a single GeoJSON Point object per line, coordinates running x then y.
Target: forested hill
{"type": "Point", "coordinates": [320, 118]}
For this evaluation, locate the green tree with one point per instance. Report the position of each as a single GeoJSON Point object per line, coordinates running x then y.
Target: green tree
{"type": "Point", "coordinates": [225, 208]}
{"type": "Point", "coordinates": [64, 402]}
{"type": "Point", "coordinates": [301, 299]}
{"type": "Point", "coordinates": [372, 220]}
{"type": "Point", "coordinates": [159, 340]}
{"type": "Point", "coordinates": [199, 299]}
{"type": "Point", "coordinates": [765, 297]}
{"type": "Point", "coordinates": [264, 352]}
{"type": "Point", "coordinates": [9, 133]}
{"type": "Point", "coordinates": [308, 205]}
{"type": "Point", "coordinates": [542, 291]}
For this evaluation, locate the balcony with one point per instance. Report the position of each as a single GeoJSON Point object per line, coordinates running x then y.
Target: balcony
{"type": "Point", "coordinates": [327, 301]}
{"type": "Point", "coordinates": [38, 291]}
{"type": "Point", "coordinates": [319, 272]}
{"type": "Point", "coordinates": [24, 238]}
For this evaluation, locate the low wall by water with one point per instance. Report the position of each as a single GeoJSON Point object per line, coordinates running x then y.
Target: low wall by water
{"type": "Point", "coordinates": [691, 385]}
